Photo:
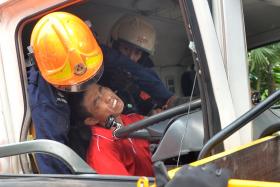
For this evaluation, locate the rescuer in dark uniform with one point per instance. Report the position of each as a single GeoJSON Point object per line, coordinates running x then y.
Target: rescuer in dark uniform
{"type": "Point", "coordinates": [137, 83]}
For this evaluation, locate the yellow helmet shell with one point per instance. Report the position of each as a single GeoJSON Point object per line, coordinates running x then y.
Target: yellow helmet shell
{"type": "Point", "coordinates": [65, 50]}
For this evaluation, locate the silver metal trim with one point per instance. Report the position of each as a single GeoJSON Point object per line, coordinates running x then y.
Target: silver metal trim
{"type": "Point", "coordinates": [56, 149]}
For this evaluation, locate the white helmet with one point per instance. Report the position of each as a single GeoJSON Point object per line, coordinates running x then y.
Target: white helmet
{"type": "Point", "coordinates": [135, 30]}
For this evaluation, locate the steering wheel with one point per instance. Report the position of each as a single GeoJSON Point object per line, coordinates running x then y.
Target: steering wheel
{"type": "Point", "coordinates": [181, 109]}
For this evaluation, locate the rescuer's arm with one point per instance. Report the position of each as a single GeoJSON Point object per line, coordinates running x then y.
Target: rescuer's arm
{"type": "Point", "coordinates": [146, 77]}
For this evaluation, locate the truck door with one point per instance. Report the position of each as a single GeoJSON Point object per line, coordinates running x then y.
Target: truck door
{"type": "Point", "coordinates": [219, 54]}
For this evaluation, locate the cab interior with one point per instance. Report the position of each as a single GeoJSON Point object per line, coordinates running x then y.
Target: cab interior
{"type": "Point", "coordinates": [172, 55]}
{"type": "Point", "coordinates": [172, 58]}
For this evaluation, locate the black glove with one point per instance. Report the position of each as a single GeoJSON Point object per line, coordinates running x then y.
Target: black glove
{"type": "Point", "coordinates": [201, 176]}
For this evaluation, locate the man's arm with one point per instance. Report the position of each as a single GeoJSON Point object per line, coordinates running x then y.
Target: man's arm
{"type": "Point", "coordinates": [146, 77]}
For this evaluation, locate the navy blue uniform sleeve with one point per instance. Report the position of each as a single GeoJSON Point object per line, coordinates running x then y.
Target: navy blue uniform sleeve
{"type": "Point", "coordinates": [51, 116]}
{"type": "Point", "coordinates": [146, 78]}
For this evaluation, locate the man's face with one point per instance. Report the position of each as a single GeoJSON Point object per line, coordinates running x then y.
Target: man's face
{"type": "Point", "coordinates": [103, 102]}
{"type": "Point", "coordinates": [130, 51]}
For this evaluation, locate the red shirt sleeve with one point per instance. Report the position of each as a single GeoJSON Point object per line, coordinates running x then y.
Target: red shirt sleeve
{"type": "Point", "coordinates": [104, 157]}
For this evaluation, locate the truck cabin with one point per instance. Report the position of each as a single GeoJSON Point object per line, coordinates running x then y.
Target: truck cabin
{"type": "Point", "coordinates": [172, 61]}
{"type": "Point", "coordinates": [182, 45]}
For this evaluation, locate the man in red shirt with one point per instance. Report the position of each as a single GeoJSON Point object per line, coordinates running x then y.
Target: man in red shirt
{"type": "Point", "coordinates": [107, 154]}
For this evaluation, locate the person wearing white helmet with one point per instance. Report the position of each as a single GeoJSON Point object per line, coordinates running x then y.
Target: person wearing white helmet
{"type": "Point", "coordinates": [134, 37]}
{"type": "Point", "coordinates": [139, 86]}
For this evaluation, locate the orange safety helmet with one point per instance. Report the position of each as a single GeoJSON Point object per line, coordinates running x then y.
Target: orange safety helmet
{"type": "Point", "coordinates": [66, 52]}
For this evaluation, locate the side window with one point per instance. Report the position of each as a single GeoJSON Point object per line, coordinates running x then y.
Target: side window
{"type": "Point", "coordinates": [264, 71]}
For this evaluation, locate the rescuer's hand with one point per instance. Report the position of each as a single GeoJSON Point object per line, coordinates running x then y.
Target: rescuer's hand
{"type": "Point", "coordinates": [202, 176]}
{"type": "Point", "coordinates": [175, 101]}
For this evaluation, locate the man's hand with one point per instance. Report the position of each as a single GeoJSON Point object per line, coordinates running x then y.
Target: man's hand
{"type": "Point", "coordinates": [155, 111]}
